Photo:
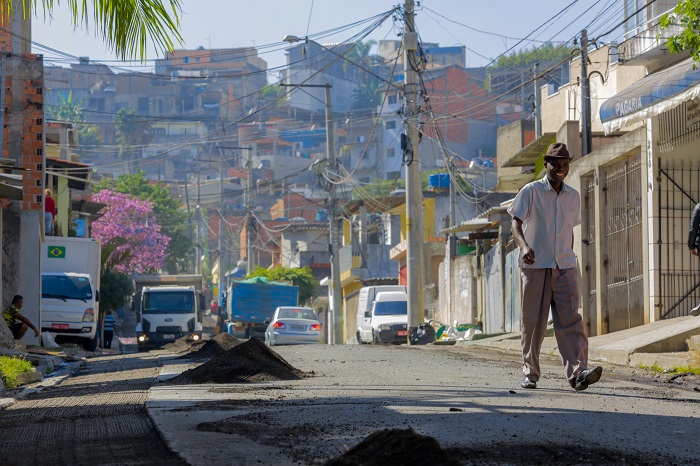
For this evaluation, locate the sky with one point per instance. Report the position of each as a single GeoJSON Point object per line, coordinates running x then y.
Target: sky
{"type": "Point", "coordinates": [486, 28]}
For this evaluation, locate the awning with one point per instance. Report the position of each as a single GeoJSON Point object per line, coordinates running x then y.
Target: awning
{"type": "Point", "coordinates": [650, 96]}
{"type": "Point", "coordinates": [475, 224]}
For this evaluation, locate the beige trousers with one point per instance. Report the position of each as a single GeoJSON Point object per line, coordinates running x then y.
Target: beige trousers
{"type": "Point", "coordinates": [558, 289]}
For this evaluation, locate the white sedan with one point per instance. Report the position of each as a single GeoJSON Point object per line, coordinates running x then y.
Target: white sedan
{"type": "Point", "coordinates": [293, 326]}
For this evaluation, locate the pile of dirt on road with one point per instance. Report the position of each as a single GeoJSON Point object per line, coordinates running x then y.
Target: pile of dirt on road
{"type": "Point", "coordinates": [250, 361]}
{"type": "Point", "coordinates": [182, 345]}
{"type": "Point", "coordinates": [210, 348]}
{"type": "Point", "coordinates": [395, 447]}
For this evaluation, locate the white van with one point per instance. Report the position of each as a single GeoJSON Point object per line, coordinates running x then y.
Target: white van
{"type": "Point", "coordinates": [388, 318]}
{"type": "Point", "coordinates": [364, 308]}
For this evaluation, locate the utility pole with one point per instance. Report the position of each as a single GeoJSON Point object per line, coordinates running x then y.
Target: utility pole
{"type": "Point", "coordinates": [250, 260]}
{"type": "Point", "coordinates": [414, 194]}
{"type": "Point", "coordinates": [586, 140]}
{"type": "Point", "coordinates": [197, 264]}
{"type": "Point", "coordinates": [222, 271]}
{"type": "Point", "coordinates": [333, 227]}
{"type": "Point", "coordinates": [538, 102]}
{"type": "Point", "coordinates": [337, 291]}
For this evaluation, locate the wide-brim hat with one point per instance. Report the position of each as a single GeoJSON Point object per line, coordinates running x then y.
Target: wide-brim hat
{"type": "Point", "coordinates": [557, 150]}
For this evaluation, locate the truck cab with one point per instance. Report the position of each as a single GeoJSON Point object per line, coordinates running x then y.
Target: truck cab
{"type": "Point", "coordinates": [166, 313]}
{"type": "Point", "coordinates": [69, 308]}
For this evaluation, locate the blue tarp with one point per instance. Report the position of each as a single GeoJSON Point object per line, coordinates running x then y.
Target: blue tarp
{"type": "Point", "coordinates": [651, 95]}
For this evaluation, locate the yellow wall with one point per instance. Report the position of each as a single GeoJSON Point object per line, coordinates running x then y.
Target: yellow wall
{"type": "Point", "coordinates": [428, 218]}
{"type": "Point", "coordinates": [350, 315]}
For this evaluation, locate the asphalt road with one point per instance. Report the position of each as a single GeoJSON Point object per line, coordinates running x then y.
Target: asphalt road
{"type": "Point", "coordinates": [469, 400]}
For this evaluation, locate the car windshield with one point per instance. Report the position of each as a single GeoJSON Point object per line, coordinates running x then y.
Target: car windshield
{"type": "Point", "coordinates": [390, 308]}
{"type": "Point", "coordinates": [65, 287]}
{"type": "Point", "coordinates": [297, 314]}
{"type": "Point", "coordinates": [168, 302]}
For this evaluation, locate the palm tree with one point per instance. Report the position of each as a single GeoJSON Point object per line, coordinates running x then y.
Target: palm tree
{"type": "Point", "coordinates": [125, 25]}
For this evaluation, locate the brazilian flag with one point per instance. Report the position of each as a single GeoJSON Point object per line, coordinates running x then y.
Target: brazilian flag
{"type": "Point", "coordinates": [57, 252]}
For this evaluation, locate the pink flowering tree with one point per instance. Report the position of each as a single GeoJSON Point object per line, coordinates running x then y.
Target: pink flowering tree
{"type": "Point", "coordinates": [131, 238]}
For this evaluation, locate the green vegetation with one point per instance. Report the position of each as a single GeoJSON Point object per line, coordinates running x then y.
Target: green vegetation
{"type": "Point", "coordinates": [301, 277]}
{"type": "Point", "coordinates": [71, 110]}
{"type": "Point", "coordinates": [547, 52]}
{"type": "Point", "coordinates": [132, 133]}
{"type": "Point", "coordinates": [382, 188]}
{"type": "Point", "coordinates": [172, 219]}
{"type": "Point", "coordinates": [126, 27]}
{"type": "Point", "coordinates": [115, 290]}
{"type": "Point", "coordinates": [690, 369]}
{"type": "Point", "coordinates": [687, 15]}
{"type": "Point", "coordinates": [271, 93]}
{"type": "Point", "coordinates": [11, 368]}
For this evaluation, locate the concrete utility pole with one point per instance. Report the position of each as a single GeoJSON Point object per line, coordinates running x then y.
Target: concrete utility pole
{"type": "Point", "coordinates": [586, 139]}
{"type": "Point", "coordinates": [337, 291]}
{"type": "Point", "coordinates": [222, 271]}
{"type": "Point", "coordinates": [198, 210]}
{"type": "Point", "coordinates": [538, 102]}
{"type": "Point", "coordinates": [333, 228]}
{"type": "Point", "coordinates": [250, 260]}
{"type": "Point", "coordinates": [414, 193]}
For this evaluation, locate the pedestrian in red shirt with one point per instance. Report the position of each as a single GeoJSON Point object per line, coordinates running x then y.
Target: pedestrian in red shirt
{"type": "Point", "coordinates": [49, 212]}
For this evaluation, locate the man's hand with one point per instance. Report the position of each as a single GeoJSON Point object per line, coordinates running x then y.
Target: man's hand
{"type": "Point", "coordinates": [36, 333]}
{"type": "Point", "coordinates": [694, 251]}
{"type": "Point", "coordinates": [528, 255]}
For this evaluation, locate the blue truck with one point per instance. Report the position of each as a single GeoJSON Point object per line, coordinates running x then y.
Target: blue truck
{"type": "Point", "coordinates": [250, 302]}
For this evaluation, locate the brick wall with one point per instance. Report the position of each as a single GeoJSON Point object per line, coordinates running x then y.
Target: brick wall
{"type": "Point", "coordinates": [23, 118]}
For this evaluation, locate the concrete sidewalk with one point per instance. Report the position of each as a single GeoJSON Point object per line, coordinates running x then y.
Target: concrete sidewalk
{"type": "Point", "coordinates": [662, 343]}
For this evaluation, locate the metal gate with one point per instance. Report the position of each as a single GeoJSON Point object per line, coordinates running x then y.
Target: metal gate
{"type": "Point", "coordinates": [589, 257]}
{"type": "Point", "coordinates": [625, 267]}
{"type": "Point", "coordinates": [511, 288]}
{"type": "Point", "coordinates": [679, 191]}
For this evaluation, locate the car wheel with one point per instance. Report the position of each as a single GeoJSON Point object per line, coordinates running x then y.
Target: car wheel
{"type": "Point", "coordinates": [359, 339]}
{"type": "Point", "coordinates": [375, 339]}
{"type": "Point", "coordinates": [91, 344]}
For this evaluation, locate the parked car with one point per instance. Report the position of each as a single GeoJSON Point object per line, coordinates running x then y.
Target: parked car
{"type": "Point", "coordinates": [366, 326]}
{"type": "Point", "coordinates": [292, 325]}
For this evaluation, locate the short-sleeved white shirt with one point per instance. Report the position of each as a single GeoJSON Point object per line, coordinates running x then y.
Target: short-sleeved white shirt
{"type": "Point", "coordinates": [548, 223]}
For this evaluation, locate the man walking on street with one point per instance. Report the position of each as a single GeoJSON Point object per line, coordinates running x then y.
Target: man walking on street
{"type": "Point", "coordinates": [108, 330]}
{"type": "Point", "coordinates": [545, 213]}
{"type": "Point", "coordinates": [694, 243]}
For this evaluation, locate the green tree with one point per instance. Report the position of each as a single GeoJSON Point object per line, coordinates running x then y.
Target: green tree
{"type": "Point", "coordinates": [269, 94]}
{"type": "Point", "coordinates": [547, 52]}
{"type": "Point", "coordinates": [125, 25]}
{"type": "Point", "coordinates": [686, 15]}
{"type": "Point", "coordinates": [115, 289]}
{"type": "Point", "coordinates": [71, 110]}
{"type": "Point", "coordinates": [301, 277]}
{"type": "Point", "coordinates": [365, 95]}
{"type": "Point", "coordinates": [172, 218]}
{"type": "Point", "coordinates": [133, 133]}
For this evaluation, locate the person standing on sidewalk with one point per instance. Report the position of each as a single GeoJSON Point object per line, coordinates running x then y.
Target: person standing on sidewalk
{"type": "Point", "coordinates": [108, 329]}
{"type": "Point", "coordinates": [544, 214]}
{"type": "Point", "coordinates": [49, 212]}
{"type": "Point", "coordinates": [694, 243]}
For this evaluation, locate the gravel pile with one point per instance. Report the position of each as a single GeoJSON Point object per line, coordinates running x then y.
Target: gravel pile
{"type": "Point", "coordinates": [250, 361]}
{"type": "Point", "coordinates": [210, 348]}
{"type": "Point", "coordinates": [395, 447]}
